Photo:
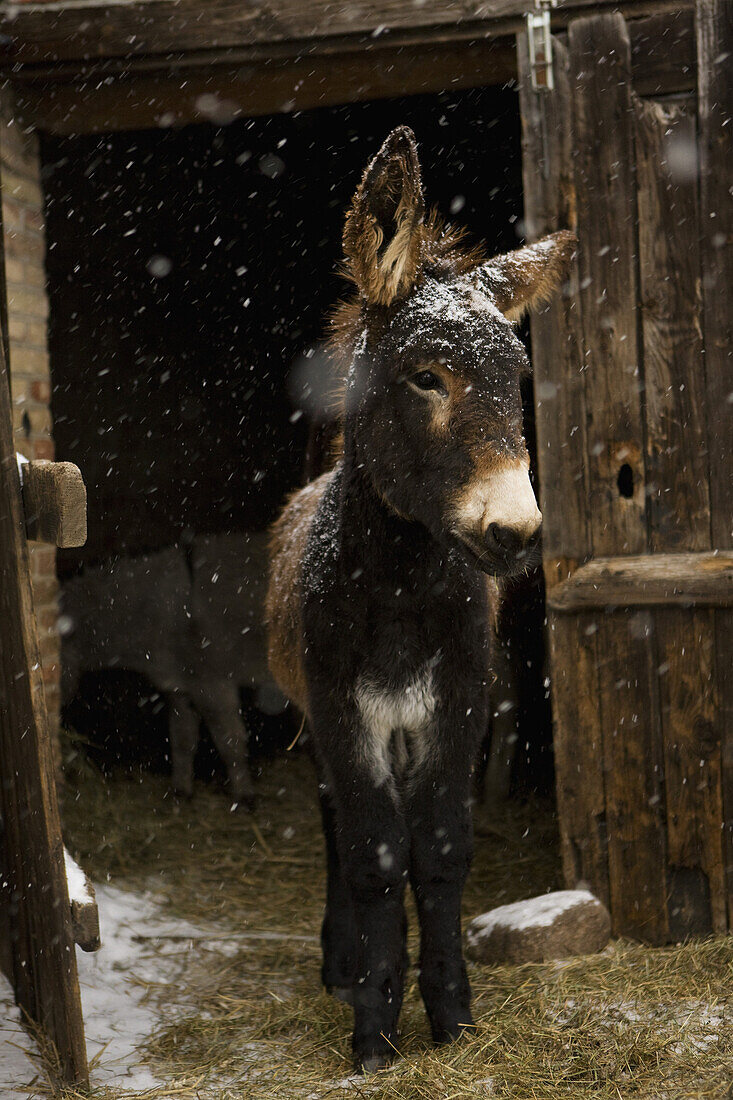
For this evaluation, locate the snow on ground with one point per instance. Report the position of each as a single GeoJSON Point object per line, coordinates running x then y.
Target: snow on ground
{"type": "Point", "coordinates": [140, 944]}
{"type": "Point", "coordinates": [17, 1069]}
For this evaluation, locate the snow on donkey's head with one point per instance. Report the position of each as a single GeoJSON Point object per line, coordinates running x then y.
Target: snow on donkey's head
{"type": "Point", "coordinates": [432, 403]}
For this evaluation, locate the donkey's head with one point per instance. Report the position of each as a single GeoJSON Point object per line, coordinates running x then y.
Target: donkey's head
{"type": "Point", "coordinates": [433, 406]}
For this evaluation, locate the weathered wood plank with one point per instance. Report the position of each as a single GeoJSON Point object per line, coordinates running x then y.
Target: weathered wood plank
{"type": "Point", "coordinates": [44, 963]}
{"type": "Point", "coordinates": [678, 496]}
{"type": "Point", "coordinates": [222, 93]}
{"type": "Point", "coordinates": [114, 93]}
{"type": "Point", "coordinates": [715, 113]}
{"type": "Point", "coordinates": [578, 745]}
{"type": "Point", "coordinates": [54, 503]}
{"type": "Point", "coordinates": [600, 72]}
{"type": "Point", "coordinates": [557, 356]}
{"type": "Point", "coordinates": [714, 23]}
{"type": "Point", "coordinates": [692, 735]}
{"type": "Point", "coordinates": [704, 579]}
{"type": "Point", "coordinates": [724, 677]}
{"type": "Point", "coordinates": [557, 341]}
{"type": "Point", "coordinates": [633, 763]}
{"type": "Point", "coordinates": [663, 53]}
{"type": "Point", "coordinates": [41, 32]}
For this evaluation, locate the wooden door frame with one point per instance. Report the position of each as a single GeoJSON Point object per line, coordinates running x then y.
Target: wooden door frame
{"type": "Point", "coordinates": [34, 900]}
{"type": "Point", "coordinates": [93, 67]}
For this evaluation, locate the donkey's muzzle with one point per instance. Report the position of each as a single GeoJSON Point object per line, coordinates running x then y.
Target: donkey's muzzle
{"type": "Point", "coordinates": [511, 548]}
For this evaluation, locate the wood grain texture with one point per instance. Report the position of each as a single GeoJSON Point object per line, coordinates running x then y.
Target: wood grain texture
{"type": "Point", "coordinates": [222, 93]}
{"type": "Point", "coordinates": [714, 23]}
{"type": "Point", "coordinates": [692, 736]}
{"type": "Point", "coordinates": [557, 357]}
{"type": "Point", "coordinates": [44, 963]}
{"type": "Point", "coordinates": [648, 580]}
{"type": "Point", "coordinates": [557, 339]}
{"type": "Point", "coordinates": [55, 503]}
{"type": "Point", "coordinates": [678, 494]}
{"type": "Point", "coordinates": [724, 678]}
{"type": "Point", "coordinates": [251, 78]}
{"type": "Point", "coordinates": [633, 769]}
{"type": "Point", "coordinates": [600, 72]}
{"type": "Point", "coordinates": [41, 33]}
{"type": "Point", "coordinates": [715, 111]}
{"type": "Point", "coordinates": [663, 53]}
{"type": "Point", "coordinates": [578, 745]}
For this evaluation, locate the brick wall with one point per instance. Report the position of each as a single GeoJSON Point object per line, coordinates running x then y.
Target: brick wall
{"type": "Point", "coordinates": [27, 304]}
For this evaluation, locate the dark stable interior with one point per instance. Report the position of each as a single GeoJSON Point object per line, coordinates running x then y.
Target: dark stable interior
{"type": "Point", "coordinates": [190, 273]}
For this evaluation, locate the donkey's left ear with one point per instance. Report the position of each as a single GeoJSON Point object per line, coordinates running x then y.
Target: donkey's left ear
{"type": "Point", "coordinates": [384, 232]}
{"type": "Point", "coordinates": [524, 278]}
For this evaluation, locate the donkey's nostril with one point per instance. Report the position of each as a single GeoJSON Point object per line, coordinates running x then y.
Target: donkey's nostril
{"type": "Point", "coordinates": [505, 541]}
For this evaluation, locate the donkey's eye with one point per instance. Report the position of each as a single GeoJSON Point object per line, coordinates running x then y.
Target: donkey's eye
{"type": "Point", "coordinates": [426, 380]}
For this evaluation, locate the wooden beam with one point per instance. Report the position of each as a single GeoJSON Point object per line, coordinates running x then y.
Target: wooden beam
{"type": "Point", "coordinates": [33, 881]}
{"type": "Point", "coordinates": [704, 579]}
{"type": "Point", "coordinates": [150, 91]}
{"type": "Point", "coordinates": [222, 93]}
{"type": "Point", "coordinates": [86, 29]}
{"type": "Point", "coordinates": [55, 503]}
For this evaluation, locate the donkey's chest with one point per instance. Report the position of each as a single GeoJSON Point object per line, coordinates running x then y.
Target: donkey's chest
{"type": "Point", "coordinates": [397, 721]}
{"type": "Point", "coordinates": [384, 708]}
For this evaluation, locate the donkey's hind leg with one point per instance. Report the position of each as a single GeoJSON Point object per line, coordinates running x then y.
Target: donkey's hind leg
{"type": "Point", "coordinates": [338, 932]}
{"type": "Point", "coordinates": [183, 732]}
{"type": "Point", "coordinates": [219, 705]}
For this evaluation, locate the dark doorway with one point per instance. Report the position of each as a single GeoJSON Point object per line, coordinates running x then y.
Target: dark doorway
{"type": "Point", "coordinates": [189, 270]}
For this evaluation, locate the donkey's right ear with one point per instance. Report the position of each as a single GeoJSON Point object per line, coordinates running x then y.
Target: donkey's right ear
{"type": "Point", "coordinates": [384, 231]}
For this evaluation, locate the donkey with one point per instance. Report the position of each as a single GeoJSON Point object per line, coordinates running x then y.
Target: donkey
{"type": "Point", "coordinates": [385, 577]}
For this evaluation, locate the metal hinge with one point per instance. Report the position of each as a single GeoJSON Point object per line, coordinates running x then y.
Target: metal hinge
{"type": "Point", "coordinates": [540, 46]}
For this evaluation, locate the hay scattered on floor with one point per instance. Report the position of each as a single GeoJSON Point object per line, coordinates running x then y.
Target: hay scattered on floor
{"type": "Point", "coordinates": [252, 1021]}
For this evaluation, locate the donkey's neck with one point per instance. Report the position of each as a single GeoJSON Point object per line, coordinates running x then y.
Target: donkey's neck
{"type": "Point", "coordinates": [387, 550]}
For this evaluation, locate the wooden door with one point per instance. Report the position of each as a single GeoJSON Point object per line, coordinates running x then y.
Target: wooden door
{"type": "Point", "coordinates": [38, 952]}
{"type": "Point", "coordinates": [632, 388]}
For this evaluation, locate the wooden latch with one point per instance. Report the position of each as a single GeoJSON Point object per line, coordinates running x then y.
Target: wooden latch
{"type": "Point", "coordinates": [54, 502]}
{"type": "Point", "coordinates": [539, 40]}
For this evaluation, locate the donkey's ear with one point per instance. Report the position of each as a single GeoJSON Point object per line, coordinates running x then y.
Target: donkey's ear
{"type": "Point", "coordinates": [524, 278]}
{"type": "Point", "coordinates": [384, 233]}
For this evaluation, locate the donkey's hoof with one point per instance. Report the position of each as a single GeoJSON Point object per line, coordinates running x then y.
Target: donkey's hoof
{"type": "Point", "coordinates": [343, 993]}
{"type": "Point", "coordinates": [450, 1032]}
{"type": "Point", "coordinates": [372, 1063]}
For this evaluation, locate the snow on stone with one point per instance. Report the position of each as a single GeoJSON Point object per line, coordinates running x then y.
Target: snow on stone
{"type": "Point", "coordinates": [76, 882]}
{"type": "Point", "coordinates": [533, 913]}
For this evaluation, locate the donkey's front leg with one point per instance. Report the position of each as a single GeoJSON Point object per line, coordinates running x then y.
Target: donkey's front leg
{"type": "Point", "coordinates": [338, 932]}
{"type": "Point", "coordinates": [441, 848]}
{"type": "Point", "coordinates": [373, 847]}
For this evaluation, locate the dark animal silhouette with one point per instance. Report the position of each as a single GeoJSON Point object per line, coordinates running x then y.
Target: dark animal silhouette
{"type": "Point", "coordinates": [385, 581]}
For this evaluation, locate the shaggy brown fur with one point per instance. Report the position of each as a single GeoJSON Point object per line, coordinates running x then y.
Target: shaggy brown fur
{"type": "Point", "coordinates": [384, 583]}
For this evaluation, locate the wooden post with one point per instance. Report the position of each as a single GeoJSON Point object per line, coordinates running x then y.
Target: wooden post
{"type": "Point", "coordinates": [44, 963]}
{"type": "Point", "coordinates": [559, 386]}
